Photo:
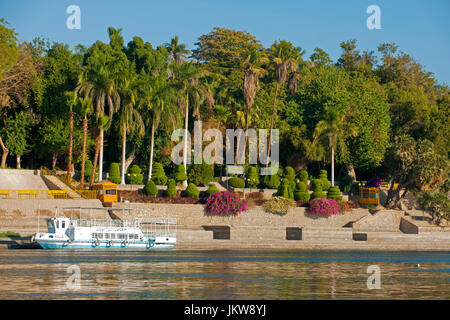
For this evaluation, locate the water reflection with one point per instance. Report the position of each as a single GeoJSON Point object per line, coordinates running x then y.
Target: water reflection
{"type": "Point", "coordinates": [223, 275]}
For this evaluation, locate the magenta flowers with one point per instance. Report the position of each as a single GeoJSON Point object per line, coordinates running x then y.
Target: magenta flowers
{"type": "Point", "coordinates": [225, 203]}
{"type": "Point", "coordinates": [323, 207]}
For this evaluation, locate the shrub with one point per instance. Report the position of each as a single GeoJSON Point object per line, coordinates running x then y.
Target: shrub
{"type": "Point", "coordinates": [200, 174]}
{"type": "Point", "coordinates": [324, 178]}
{"type": "Point", "coordinates": [114, 173]}
{"type": "Point", "coordinates": [272, 182]}
{"type": "Point", "coordinates": [317, 188]}
{"type": "Point", "coordinates": [236, 182]}
{"type": "Point", "coordinates": [437, 203]}
{"type": "Point", "coordinates": [87, 169]}
{"type": "Point", "coordinates": [158, 174]}
{"type": "Point", "coordinates": [255, 196]}
{"type": "Point", "coordinates": [171, 190]}
{"type": "Point", "coordinates": [289, 173]}
{"type": "Point", "coordinates": [300, 192]}
{"type": "Point", "coordinates": [323, 207]}
{"type": "Point", "coordinates": [150, 189]}
{"type": "Point", "coordinates": [278, 205]}
{"type": "Point", "coordinates": [180, 173]}
{"type": "Point", "coordinates": [334, 193]}
{"type": "Point", "coordinates": [344, 206]}
{"type": "Point", "coordinates": [346, 183]}
{"type": "Point", "coordinates": [285, 190]}
{"type": "Point", "coordinates": [374, 183]}
{"type": "Point", "coordinates": [252, 177]}
{"type": "Point", "coordinates": [211, 189]}
{"type": "Point", "coordinates": [191, 191]}
{"type": "Point", "coordinates": [135, 175]}
{"type": "Point", "coordinates": [225, 203]}
{"type": "Point", "coordinates": [303, 176]}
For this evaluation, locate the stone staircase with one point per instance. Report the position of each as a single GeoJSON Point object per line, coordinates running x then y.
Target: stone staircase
{"type": "Point", "coordinates": [57, 184]}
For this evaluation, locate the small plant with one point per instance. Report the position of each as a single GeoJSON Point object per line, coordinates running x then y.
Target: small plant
{"type": "Point", "coordinates": [211, 189]}
{"type": "Point", "coordinates": [135, 175]}
{"type": "Point", "coordinates": [191, 191]}
{"type": "Point", "coordinates": [285, 190]}
{"type": "Point", "coordinates": [289, 173]}
{"type": "Point", "coordinates": [317, 188]}
{"type": "Point", "coordinates": [236, 182]}
{"type": "Point", "coordinates": [272, 182]}
{"type": "Point", "coordinates": [150, 189]}
{"type": "Point", "coordinates": [278, 205]}
{"type": "Point", "coordinates": [114, 173]}
{"type": "Point", "coordinates": [323, 207]}
{"type": "Point", "coordinates": [158, 174]}
{"type": "Point", "coordinates": [300, 192]}
{"type": "Point", "coordinates": [200, 174]}
{"type": "Point", "coordinates": [334, 193]}
{"type": "Point", "coordinates": [303, 176]}
{"type": "Point", "coordinates": [323, 176]}
{"type": "Point", "coordinates": [87, 169]}
{"type": "Point", "coordinates": [9, 234]}
{"type": "Point", "coordinates": [225, 203]}
{"type": "Point", "coordinates": [180, 173]}
{"type": "Point", "coordinates": [171, 190]}
{"type": "Point", "coordinates": [344, 206]}
{"type": "Point", "coordinates": [252, 177]}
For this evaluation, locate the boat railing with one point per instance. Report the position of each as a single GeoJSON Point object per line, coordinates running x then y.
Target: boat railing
{"type": "Point", "coordinates": [158, 227]}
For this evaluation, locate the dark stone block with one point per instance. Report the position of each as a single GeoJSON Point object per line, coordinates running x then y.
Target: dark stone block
{"type": "Point", "coordinates": [219, 232]}
{"type": "Point", "coordinates": [360, 236]}
{"type": "Point", "coordinates": [293, 233]}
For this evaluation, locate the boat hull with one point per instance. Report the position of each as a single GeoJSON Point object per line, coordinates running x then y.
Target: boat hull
{"type": "Point", "coordinates": [103, 246]}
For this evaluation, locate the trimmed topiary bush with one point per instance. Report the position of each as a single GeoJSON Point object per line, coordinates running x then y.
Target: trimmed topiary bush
{"type": "Point", "coordinates": [279, 205]}
{"type": "Point", "coordinates": [150, 189]}
{"type": "Point", "coordinates": [272, 182]}
{"type": "Point", "coordinates": [225, 203]}
{"type": "Point", "coordinates": [135, 175]}
{"type": "Point", "coordinates": [236, 182]}
{"type": "Point", "coordinates": [303, 176]}
{"type": "Point", "coordinates": [324, 178]}
{"type": "Point", "coordinates": [114, 173]}
{"type": "Point", "coordinates": [285, 190]}
{"type": "Point", "coordinates": [191, 191]}
{"type": "Point", "coordinates": [171, 190]}
{"type": "Point", "coordinates": [180, 173]}
{"type": "Point", "coordinates": [87, 169]}
{"type": "Point", "coordinates": [289, 173]}
{"type": "Point", "coordinates": [323, 207]}
{"type": "Point", "coordinates": [200, 174]}
{"type": "Point", "coordinates": [317, 188]}
{"type": "Point", "coordinates": [334, 193]}
{"type": "Point", "coordinates": [252, 177]}
{"type": "Point", "coordinates": [211, 189]}
{"type": "Point", "coordinates": [158, 175]}
{"type": "Point", "coordinates": [300, 192]}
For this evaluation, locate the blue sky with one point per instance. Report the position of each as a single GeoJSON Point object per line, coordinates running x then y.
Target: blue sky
{"type": "Point", "coordinates": [420, 28]}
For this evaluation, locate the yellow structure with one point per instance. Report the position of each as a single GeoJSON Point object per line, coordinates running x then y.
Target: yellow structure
{"type": "Point", "coordinates": [369, 196]}
{"type": "Point", "coordinates": [106, 191]}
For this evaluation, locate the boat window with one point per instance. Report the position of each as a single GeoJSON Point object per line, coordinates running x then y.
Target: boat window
{"type": "Point", "coordinates": [63, 224]}
{"type": "Point", "coordinates": [111, 192]}
{"type": "Point", "coordinates": [57, 224]}
{"type": "Point", "coordinates": [113, 235]}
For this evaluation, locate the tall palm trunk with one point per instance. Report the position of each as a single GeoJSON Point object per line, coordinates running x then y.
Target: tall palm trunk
{"type": "Point", "coordinates": [271, 122]}
{"type": "Point", "coordinates": [94, 167]}
{"type": "Point", "coordinates": [83, 157]}
{"type": "Point", "coordinates": [152, 141]}
{"type": "Point", "coordinates": [69, 164]}
{"type": "Point", "coordinates": [332, 166]}
{"type": "Point", "coordinates": [4, 155]}
{"type": "Point", "coordinates": [124, 148]}
{"type": "Point", "coordinates": [100, 163]}
{"type": "Point", "coordinates": [17, 161]}
{"type": "Point", "coordinates": [186, 119]}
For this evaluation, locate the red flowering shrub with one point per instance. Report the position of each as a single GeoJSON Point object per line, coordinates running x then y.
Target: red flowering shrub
{"type": "Point", "coordinates": [344, 206]}
{"type": "Point", "coordinates": [323, 207]}
{"type": "Point", "coordinates": [225, 203]}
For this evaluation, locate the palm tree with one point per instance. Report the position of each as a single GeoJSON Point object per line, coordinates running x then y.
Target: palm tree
{"type": "Point", "coordinates": [99, 84]}
{"type": "Point", "coordinates": [102, 123]}
{"type": "Point", "coordinates": [177, 51]}
{"type": "Point", "coordinates": [335, 129]}
{"type": "Point", "coordinates": [85, 110]}
{"type": "Point", "coordinates": [285, 56]}
{"type": "Point", "coordinates": [72, 100]}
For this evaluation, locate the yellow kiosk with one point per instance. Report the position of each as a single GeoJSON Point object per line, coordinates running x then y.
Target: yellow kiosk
{"type": "Point", "coordinates": [106, 191]}
{"type": "Point", "coordinates": [369, 196]}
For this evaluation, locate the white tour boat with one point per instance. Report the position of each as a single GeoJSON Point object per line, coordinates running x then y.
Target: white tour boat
{"type": "Point", "coordinates": [78, 233]}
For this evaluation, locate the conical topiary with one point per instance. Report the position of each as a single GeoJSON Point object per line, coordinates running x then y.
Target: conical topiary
{"type": "Point", "coordinates": [150, 189]}
{"type": "Point", "coordinates": [317, 187]}
{"type": "Point", "coordinates": [135, 175]}
{"type": "Point", "coordinates": [324, 178]}
{"type": "Point", "coordinates": [114, 173]}
{"type": "Point", "coordinates": [191, 191]}
{"type": "Point", "coordinates": [211, 189]}
{"type": "Point", "coordinates": [158, 174]}
{"type": "Point", "coordinates": [171, 190]}
{"type": "Point", "coordinates": [252, 177]}
{"type": "Point", "coordinates": [180, 173]}
{"type": "Point", "coordinates": [334, 193]}
{"type": "Point", "coordinates": [300, 192]}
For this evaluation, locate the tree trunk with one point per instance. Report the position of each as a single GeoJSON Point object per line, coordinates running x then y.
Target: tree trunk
{"type": "Point", "coordinates": [94, 167]}
{"type": "Point", "coordinates": [332, 166]}
{"type": "Point", "coordinates": [350, 171]}
{"type": "Point", "coordinates": [83, 159]}
{"type": "Point", "coordinates": [18, 161]}
{"type": "Point", "coordinates": [4, 155]}
{"type": "Point", "coordinates": [186, 119]}
{"type": "Point", "coordinates": [271, 123]}
{"type": "Point", "coordinates": [124, 148]}
{"type": "Point", "coordinates": [69, 164]}
{"type": "Point", "coordinates": [130, 159]}
{"type": "Point", "coordinates": [54, 159]}
{"type": "Point", "coordinates": [100, 162]}
{"type": "Point", "coordinates": [152, 141]}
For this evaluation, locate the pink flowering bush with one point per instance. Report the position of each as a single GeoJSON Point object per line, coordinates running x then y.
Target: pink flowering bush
{"type": "Point", "coordinates": [225, 203]}
{"type": "Point", "coordinates": [323, 207]}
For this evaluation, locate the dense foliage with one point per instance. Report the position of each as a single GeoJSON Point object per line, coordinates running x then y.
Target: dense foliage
{"type": "Point", "coordinates": [225, 203]}
{"type": "Point", "coordinates": [323, 207]}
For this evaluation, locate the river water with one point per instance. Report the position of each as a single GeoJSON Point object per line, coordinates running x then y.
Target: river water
{"type": "Point", "coordinates": [39, 274]}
